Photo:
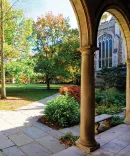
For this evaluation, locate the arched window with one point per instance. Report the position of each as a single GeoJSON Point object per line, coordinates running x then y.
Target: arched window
{"type": "Point", "coordinates": [105, 50]}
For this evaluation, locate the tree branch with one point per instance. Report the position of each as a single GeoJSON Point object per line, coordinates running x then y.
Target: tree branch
{"type": "Point", "coordinates": [10, 9]}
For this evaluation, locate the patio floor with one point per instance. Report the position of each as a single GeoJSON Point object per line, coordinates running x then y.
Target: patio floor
{"type": "Point", "coordinates": [22, 135]}
{"type": "Point", "coordinates": [114, 142]}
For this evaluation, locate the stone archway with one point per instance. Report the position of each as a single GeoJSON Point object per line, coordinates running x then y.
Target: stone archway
{"type": "Point", "coordinates": [88, 21]}
{"type": "Point", "coordinates": [84, 22]}
{"type": "Point", "coordinates": [124, 26]}
{"type": "Point", "coordinates": [124, 23]}
{"type": "Point", "coordinates": [125, 29]}
{"type": "Point", "coordinates": [87, 48]}
{"type": "Point", "coordinates": [122, 17]}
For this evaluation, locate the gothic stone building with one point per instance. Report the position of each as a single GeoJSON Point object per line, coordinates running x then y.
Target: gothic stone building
{"type": "Point", "coordinates": [111, 46]}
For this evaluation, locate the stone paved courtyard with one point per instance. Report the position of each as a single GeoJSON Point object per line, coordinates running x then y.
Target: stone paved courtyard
{"type": "Point", "coordinates": [22, 135]}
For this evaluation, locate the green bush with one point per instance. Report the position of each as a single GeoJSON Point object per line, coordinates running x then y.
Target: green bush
{"type": "Point", "coordinates": [113, 77]}
{"type": "Point", "coordinates": [110, 96]}
{"type": "Point", "coordinates": [113, 96]}
{"type": "Point", "coordinates": [116, 120]}
{"type": "Point", "coordinates": [64, 110]}
{"type": "Point", "coordinates": [98, 96]}
{"type": "Point", "coordinates": [108, 109]}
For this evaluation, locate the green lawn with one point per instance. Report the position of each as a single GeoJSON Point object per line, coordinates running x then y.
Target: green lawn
{"type": "Point", "coordinates": [21, 95]}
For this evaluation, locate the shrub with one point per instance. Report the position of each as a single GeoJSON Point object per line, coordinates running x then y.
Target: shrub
{"type": "Point", "coordinates": [113, 77]}
{"type": "Point", "coordinates": [116, 120]}
{"type": "Point", "coordinates": [98, 96]}
{"type": "Point", "coordinates": [113, 96]}
{"type": "Point", "coordinates": [108, 109]}
{"type": "Point", "coordinates": [64, 110]}
{"type": "Point", "coordinates": [110, 96]}
{"type": "Point", "coordinates": [73, 91]}
{"type": "Point", "coordinates": [69, 139]}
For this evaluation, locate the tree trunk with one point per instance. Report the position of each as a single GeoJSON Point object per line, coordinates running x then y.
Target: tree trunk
{"type": "Point", "coordinates": [3, 88]}
{"type": "Point", "coordinates": [77, 82]}
{"type": "Point", "coordinates": [48, 82]}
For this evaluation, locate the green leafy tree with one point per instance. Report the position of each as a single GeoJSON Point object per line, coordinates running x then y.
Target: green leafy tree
{"type": "Point", "coordinates": [72, 55]}
{"type": "Point", "coordinates": [21, 70]}
{"type": "Point", "coordinates": [105, 17]}
{"type": "Point", "coordinates": [50, 33]}
{"type": "Point", "coordinates": [15, 30]}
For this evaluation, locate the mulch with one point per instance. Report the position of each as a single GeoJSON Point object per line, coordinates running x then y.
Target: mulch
{"type": "Point", "coordinates": [51, 124]}
{"type": "Point", "coordinates": [67, 142]}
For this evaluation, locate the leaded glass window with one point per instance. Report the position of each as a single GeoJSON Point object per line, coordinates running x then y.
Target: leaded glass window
{"type": "Point", "coordinates": [105, 50]}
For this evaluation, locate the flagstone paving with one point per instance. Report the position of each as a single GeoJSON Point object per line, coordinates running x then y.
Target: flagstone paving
{"type": "Point", "coordinates": [114, 142]}
{"type": "Point", "coordinates": [22, 135]}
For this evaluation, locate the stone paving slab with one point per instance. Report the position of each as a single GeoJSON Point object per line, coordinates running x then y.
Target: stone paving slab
{"type": "Point", "coordinates": [5, 125]}
{"type": "Point", "coordinates": [125, 151]}
{"type": "Point", "coordinates": [35, 149]}
{"type": "Point", "coordinates": [38, 103]}
{"type": "Point", "coordinates": [34, 132]}
{"type": "Point", "coordinates": [5, 142]}
{"type": "Point", "coordinates": [11, 131]}
{"type": "Point", "coordinates": [13, 151]}
{"type": "Point", "coordinates": [101, 152]}
{"type": "Point", "coordinates": [112, 134]}
{"type": "Point", "coordinates": [113, 147]}
{"type": "Point", "coordinates": [125, 137]}
{"type": "Point", "coordinates": [33, 112]}
{"type": "Point", "coordinates": [21, 139]}
{"type": "Point", "coordinates": [42, 127]}
{"type": "Point", "coordinates": [120, 142]}
{"type": "Point", "coordinates": [73, 130]}
{"type": "Point", "coordinates": [72, 151]}
{"type": "Point", "coordinates": [55, 134]}
{"type": "Point", "coordinates": [51, 143]}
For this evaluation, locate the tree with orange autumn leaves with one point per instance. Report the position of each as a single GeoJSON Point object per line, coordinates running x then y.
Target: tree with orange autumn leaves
{"type": "Point", "coordinates": [51, 33]}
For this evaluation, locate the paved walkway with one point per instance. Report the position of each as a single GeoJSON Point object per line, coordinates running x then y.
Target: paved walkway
{"type": "Point", "coordinates": [22, 135]}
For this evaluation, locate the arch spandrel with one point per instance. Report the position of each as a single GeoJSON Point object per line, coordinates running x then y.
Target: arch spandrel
{"type": "Point", "coordinates": [122, 16]}
{"type": "Point", "coordinates": [84, 23]}
{"type": "Point", "coordinates": [124, 26]}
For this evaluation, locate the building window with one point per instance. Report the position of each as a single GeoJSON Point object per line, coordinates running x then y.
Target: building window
{"type": "Point", "coordinates": [105, 51]}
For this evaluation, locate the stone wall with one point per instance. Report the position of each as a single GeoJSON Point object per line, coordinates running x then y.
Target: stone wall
{"type": "Point", "coordinates": [118, 51]}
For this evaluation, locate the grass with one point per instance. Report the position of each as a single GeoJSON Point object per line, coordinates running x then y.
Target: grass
{"type": "Point", "coordinates": [21, 95]}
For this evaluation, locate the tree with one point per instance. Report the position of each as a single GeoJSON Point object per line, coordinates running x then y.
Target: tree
{"type": "Point", "coordinates": [14, 33]}
{"type": "Point", "coordinates": [21, 70]}
{"type": "Point", "coordinates": [50, 33]}
{"type": "Point", "coordinates": [105, 17]}
{"type": "Point", "coordinates": [3, 90]}
{"type": "Point", "coordinates": [72, 56]}
{"type": "Point", "coordinates": [17, 33]}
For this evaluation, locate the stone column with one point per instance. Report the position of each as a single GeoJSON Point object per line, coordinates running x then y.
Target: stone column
{"type": "Point", "coordinates": [127, 119]}
{"type": "Point", "coordinates": [87, 117]}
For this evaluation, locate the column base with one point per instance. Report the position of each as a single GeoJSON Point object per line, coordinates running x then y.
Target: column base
{"type": "Point", "coordinates": [86, 148]}
{"type": "Point", "coordinates": [127, 121]}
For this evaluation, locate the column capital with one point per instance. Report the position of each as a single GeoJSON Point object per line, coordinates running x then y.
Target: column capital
{"type": "Point", "coordinates": [88, 50]}
{"type": "Point", "coordinates": [127, 62]}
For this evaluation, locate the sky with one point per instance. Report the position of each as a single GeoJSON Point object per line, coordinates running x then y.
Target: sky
{"type": "Point", "coordinates": [35, 8]}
